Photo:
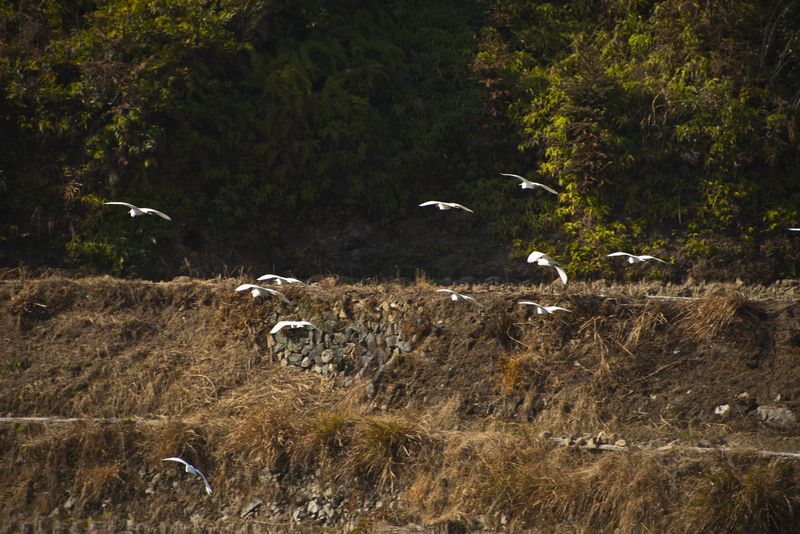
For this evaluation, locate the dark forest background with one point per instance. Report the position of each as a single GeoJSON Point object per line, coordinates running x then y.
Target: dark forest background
{"type": "Point", "coordinates": [669, 127]}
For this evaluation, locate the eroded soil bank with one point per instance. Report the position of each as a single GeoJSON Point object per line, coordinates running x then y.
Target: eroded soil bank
{"type": "Point", "coordinates": [643, 408]}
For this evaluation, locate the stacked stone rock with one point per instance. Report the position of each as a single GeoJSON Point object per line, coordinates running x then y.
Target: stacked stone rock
{"type": "Point", "coordinates": [345, 346]}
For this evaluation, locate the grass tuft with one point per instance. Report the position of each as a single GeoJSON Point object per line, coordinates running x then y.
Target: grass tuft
{"type": "Point", "coordinates": [706, 318]}
{"type": "Point", "coordinates": [762, 497]}
{"type": "Point", "coordinates": [382, 445]}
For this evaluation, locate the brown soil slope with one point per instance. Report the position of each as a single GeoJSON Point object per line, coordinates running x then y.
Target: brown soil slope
{"type": "Point", "coordinates": [405, 409]}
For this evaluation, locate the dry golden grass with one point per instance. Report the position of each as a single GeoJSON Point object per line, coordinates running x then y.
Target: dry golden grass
{"type": "Point", "coordinates": [707, 317]}
{"type": "Point", "coordinates": [444, 488]}
{"type": "Point", "coordinates": [323, 437]}
{"type": "Point", "coordinates": [382, 445]}
{"type": "Point", "coordinates": [421, 280]}
{"type": "Point", "coordinates": [457, 457]}
{"type": "Point", "coordinates": [95, 482]}
{"type": "Point", "coordinates": [533, 484]}
{"type": "Point", "coordinates": [267, 435]}
{"type": "Point", "coordinates": [89, 460]}
{"type": "Point", "coordinates": [644, 324]}
{"type": "Point", "coordinates": [728, 497]}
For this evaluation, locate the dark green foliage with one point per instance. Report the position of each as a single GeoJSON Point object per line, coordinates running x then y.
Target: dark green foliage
{"type": "Point", "coordinates": [669, 126]}
{"type": "Point", "coordinates": [234, 117]}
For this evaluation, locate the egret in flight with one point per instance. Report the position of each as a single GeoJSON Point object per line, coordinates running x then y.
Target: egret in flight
{"type": "Point", "coordinates": [458, 296]}
{"type": "Point", "coordinates": [524, 183]}
{"type": "Point", "coordinates": [445, 205]}
{"type": "Point", "coordinates": [291, 324]}
{"type": "Point", "coordinates": [135, 212]}
{"type": "Point", "coordinates": [540, 258]}
{"type": "Point", "coordinates": [191, 470]}
{"type": "Point", "coordinates": [632, 258]}
{"type": "Point", "coordinates": [279, 280]}
{"type": "Point", "coordinates": [258, 291]}
{"type": "Point", "coordinates": [541, 310]}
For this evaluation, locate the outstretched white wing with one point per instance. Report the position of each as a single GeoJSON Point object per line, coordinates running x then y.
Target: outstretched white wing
{"type": "Point", "coordinates": [458, 296]}
{"type": "Point", "coordinates": [551, 309]}
{"type": "Point", "coordinates": [281, 279]}
{"type": "Point", "coordinates": [615, 254]}
{"type": "Point", "coordinates": [121, 204]}
{"type": "Point", "coordinates": [459, 206]}
{"type": "Point", "coordinates": [545, 187]}
{"type": "Point", "coordinates": [192, 470]}
{"type": "Point", "coordinates": [291, 324]}
{"type": "Point", "coordinates": [535, 256]}
{"type": "Point", "coordinates": [258, 291]}
{"type": "Point", "coordinates": [245, 287]}
{"type": "Point", "coordinates": [562, 273]}
{"type": "Point", "coordinates": [645, 257]}
{"type": "Point", "coordinates": [279, 326]}
{"type": "Point", "coordinates": [526, 182]}
{"type": "Point", "coordinates": [176, 459]}
{"type": "Point", "coordinates": [155, 212]}
{"type": "Point", "coordinates": [538, 307]}
{"type": "Point", "coordinates": [445, 205]}
{"type": "Point", "coordinates": [275, 294]}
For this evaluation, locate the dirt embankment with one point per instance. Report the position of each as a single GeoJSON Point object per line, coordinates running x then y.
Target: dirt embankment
{"type": "Point", "coordinates": [404, 409]}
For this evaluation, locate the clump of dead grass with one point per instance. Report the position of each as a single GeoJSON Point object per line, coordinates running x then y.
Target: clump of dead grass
{"type": "Point", "coordinates": [421, 280]}
{"type": "Point", "coordinates": [88, 460]}
{"type": "Point", "coordinates": [518, 371]}
{"type": "Point", "coordinates": [175, 438]}
{"type": "Point", "coordinates": [644, 325]}
{"type": "Point", "coordinates": [323, 437]}
{"type": "Point", "coordinates": [760, 497]}
{"type": "Point", "coordinates": [266, 435]}
{"type": "Point", "coordinates": [707, 317]}
{"type": "Point", "coordinates": [382, 445]}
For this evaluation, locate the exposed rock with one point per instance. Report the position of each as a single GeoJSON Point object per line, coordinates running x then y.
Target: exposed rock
{"type": "Point", "coordinates": [252, 509]}
{"type": "Point", "coordinates": [722, 409]}
{"type": "Point", "coordinates": [777, 417]}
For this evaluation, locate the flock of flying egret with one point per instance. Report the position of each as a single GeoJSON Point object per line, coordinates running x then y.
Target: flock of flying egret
{"type": "Point", "coordinates": [257, 291]}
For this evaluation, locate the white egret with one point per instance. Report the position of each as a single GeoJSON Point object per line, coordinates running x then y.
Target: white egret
{"type": "Point", "coordinates": [527, 184]}
{"type": "Point", "coordinates": [458, 296]}
{"type": "Point", "coordinates": [445, 205]}
{"type": "Point", "coordinates": [135, 212]}
{"type": "Point", "coordinates": [632, 258]}
{"type": "Point", "coordinates": [279, 280]}
{"type": "Point", "coordinates": [258, 291]}
{"type": "Point", "coordinates": [191, 470]}
{"type": "Point", "coordinates": [543, 309]}
{"type": "Point", "coordinates": [540, 258]}
{"type": "Point", "coordinates": [291, 324]}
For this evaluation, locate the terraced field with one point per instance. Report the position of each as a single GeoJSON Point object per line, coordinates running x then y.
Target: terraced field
{"type": "Point", "coordinates": [654, 408]}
